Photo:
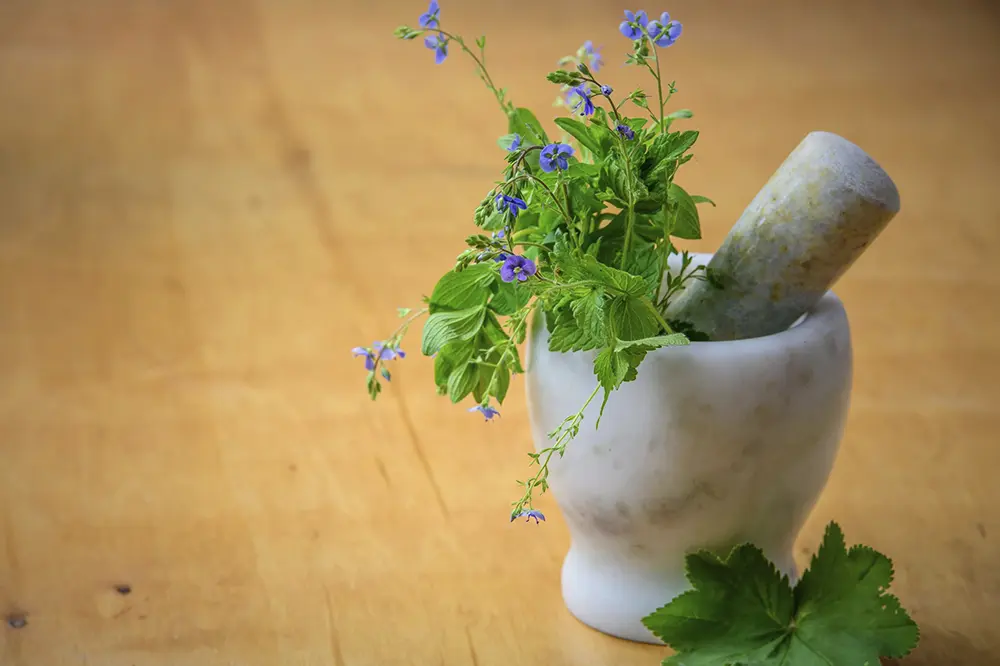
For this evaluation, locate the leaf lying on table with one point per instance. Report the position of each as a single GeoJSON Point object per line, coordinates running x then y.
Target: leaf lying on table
{"type": "Point", "coordinates": [743, 612]}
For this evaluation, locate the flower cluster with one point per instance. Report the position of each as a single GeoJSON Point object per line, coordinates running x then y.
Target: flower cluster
{"type": "Point", "coordinates": [663, 32]}
{"type": "Point", "coordinates": [578, 229]}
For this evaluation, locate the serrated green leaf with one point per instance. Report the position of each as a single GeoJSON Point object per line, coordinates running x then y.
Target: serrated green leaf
{"type": "Point", "coordinates": [588, 311]}
{"type": "Point", "coordinates": [655, 342]}
{"type": "Point", "coordinates": [458, 290]}
{"type": "Point", "coordinates": [644, 260]}
{"type": "Point", "coordinates": [442, 328]}
{"type": "Point", "coordinates": [581, 133]}
{"type": "Point", "coordinates": [567, 335]}
{"type": "Point", "coordinates": [522, 121]}
{"type": "Point", "coordinates": [462, 381]}
{"type": "Point", "coordinates": [741, 610]}
{"type": "Point", "coordinates": [630, 318]}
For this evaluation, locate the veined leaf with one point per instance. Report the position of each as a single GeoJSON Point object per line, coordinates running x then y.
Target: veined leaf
{"type": "Point", "coordinates": [581, 133]}
{"type": "Point", "coordinates": [458, 290]}
{"type": "Point", "coordinates": [688, 223]}
{"type": "Point", "coordinates": [442, 328]}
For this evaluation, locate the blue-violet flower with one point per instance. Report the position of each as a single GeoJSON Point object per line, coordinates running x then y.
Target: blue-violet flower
{"type": "Point", "coordinates": [515, 144]}
{"type": "Point", "coordinates": [555, 156]}
{"type": "Point", "coordinates": [593, 55]}
{"type": "Point", "coordinates": [512, 205]}
{"type": "Point", "coordinates": [429, 19]}
{"type": "Point", "coordinates": [439, 45]}
{"type": "Point", "coordinates": [487, 411]}
{"type": "Point", "coordinates": [528, 514]}
{"type": "Point", "coordinates": [582, 93]}
{"type": "Point", "coordinates": [377, 352]}
{"type": "Point", "coordinates": [634, 24]}
{"type": "Point", "coordinates": [607, 90]}
{"type": "Point", "coordinates": [664, 32]}
{"type": "Point", "coordinates": [626, 132]}
{"type": "Point", "coordinates": [516, 267]}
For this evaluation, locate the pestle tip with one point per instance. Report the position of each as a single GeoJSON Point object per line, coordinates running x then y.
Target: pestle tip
{"type": "Point", "coordinates": [855, 168]}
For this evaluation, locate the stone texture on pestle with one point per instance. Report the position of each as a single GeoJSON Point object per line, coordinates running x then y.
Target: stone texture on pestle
{"type": "Point", "coordinates": [820, 210]}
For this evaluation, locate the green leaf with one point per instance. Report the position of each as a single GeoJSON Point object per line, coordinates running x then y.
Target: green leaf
{"type": "Point", "coordinates": [741, 610]}
{"type": "Point", "coordinates": [644, 261]}
{"type": "Point", "coordinates": [509, 298]}
{"type": "Point", "coordinates": [462, 381]}
{"type": "Point", "coordinates": [669, 147]}
{"type": "Point", "coordinates": [579, 131]}
{"type": "Point", "coordinates": [655, 342]}
{"type": "Point", "coordinates": [495, 381]}
{"type": "Point", "coordinates": [442, 328]}
{"type": "Point", "coordinates": [697, 198]}
{"type": "Point", "coordinates": [631, 319]}
{"type": "Point", "coordinates": [523, 121]}
{"type": "Point", "coordinates": [588, 311]}
{"type": "Point", "coordinates": [611, 368]}
{"type": "Point", "coordinates": [680, 113]}
{"type": "Point", "coordinates": [451, 356]}
{"type": "Point", "coordinates": [567, 334]}
{"type": "Point", "coordinates": [458, 290]}
{"type": "Point", "coordinates": [688, 224]}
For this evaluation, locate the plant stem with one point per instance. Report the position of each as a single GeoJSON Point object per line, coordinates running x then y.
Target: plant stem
{"type": "Point", "coordinates": [659, 85]}
{"type": "Point", "coordinates": [482, 69]}
{"type": "Point", "coordinates": [539, 479]}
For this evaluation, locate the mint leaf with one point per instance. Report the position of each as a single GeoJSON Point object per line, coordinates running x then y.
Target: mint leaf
{"type": "Point", "coordinates": [631, 319]}
{"type": "Point", "coordinates": [444, 327]}
{"type": "Point", "coordinates": [687, 224]}
{"type": "Point", "coordinates": [589, 315]}
{"type": "Point", "coordinates": [649, 344]}
{"type": "Point", "coordinates": [741, 610]}
{"type": "Point", "coordinates": [644, 262]}
{"type": "Point", "coordinates": [567, 335]}
{"type": "Point", "coordinates": [458, 290]}
{"type": "Point", "coordinates": [579, 131]}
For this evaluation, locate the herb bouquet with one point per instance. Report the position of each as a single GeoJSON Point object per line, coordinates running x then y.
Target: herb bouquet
{"type": "Point", "coordinates": [580, 230]}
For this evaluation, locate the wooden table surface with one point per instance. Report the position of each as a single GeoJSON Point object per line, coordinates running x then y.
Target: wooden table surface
{"type": "Point", "coordinates": [205, 205]}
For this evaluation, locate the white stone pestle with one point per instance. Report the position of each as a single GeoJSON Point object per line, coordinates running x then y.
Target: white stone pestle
{"type": "Point", "coordinates": [817, 214]}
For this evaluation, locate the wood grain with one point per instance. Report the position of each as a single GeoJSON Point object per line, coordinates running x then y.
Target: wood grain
{"type": "Point", "coordinates": [205, 205]}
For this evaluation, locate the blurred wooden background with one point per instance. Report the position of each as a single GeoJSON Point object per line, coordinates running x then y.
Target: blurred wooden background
{"type": "Point", "coordinates": [205, 204]}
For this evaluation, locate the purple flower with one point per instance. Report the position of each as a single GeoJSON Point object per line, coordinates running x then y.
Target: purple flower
{"type": "Point", "coordinates": [439, 45]}
{"type": "Point", "coordinates": [487, 411]}
{"type": "Point", "coordinates": [512, 205]}
{"type": "Point", "coordinates": [501, 257]}
{"type": "Point", "coordinates": [607, 90]}
{"type": "Point", "coordinates": [664, 32]}
{"type": "Point", "coordinates": [593, 55]}
{"type": "Point", "coordinates": [554, 156]}
{"type": "Point", "coordinates": [626, 132]}
{"type": "Point", "coordinates": [517, 268]}
{"type": "Point", "coordinates": [634, 24]}
{"type": "Point", "coordinates": [515, 144]}
{"type": "Point", "coordinates": [499, 234]}
{"type": "Point", "coordinates": [582, 92]}
{"type": "Point", "coordinates": [378, 351]}
{"type": "Point", "coordinates": [429, 19]}
{"type": "Point", "coordinates": [528, 514]}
